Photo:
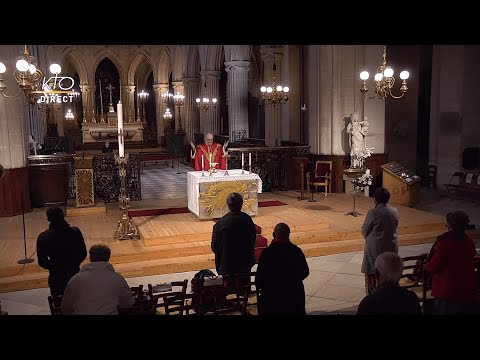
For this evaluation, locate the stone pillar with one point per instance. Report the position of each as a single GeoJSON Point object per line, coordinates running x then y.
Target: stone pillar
{"type": "Point", "coordinates": [191, 121]}
{"type": "Point", "coordinates": [273, 125]}
{"type": "Point", "coordinates": [237, 80]}
{"type": "Point", "coordinates": [129, 104]}
{"type": "Point", "coordinates": [178, 89]}
{"type": "Point", "coordinates": [212, 114]}
{"type": "Point", "coordinates": [125, 98]}
{"type": "Point", "coordinates": [160, 110]}
{"type": "Point", "coordinates": [88, 98]}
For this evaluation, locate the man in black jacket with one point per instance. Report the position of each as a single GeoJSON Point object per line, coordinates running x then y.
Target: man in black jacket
{"type": "Point", "coordinates": [282, 267]}
{"type": "Point", "coordinates": [233, 239]}
{"type": "Point", "coordinates": [60, 249]}
{"type": "Point", "coordinates": [389, 297]}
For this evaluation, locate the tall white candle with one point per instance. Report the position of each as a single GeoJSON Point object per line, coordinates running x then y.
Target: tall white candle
{"type": "Point", "coordinates": [249, 160]}
{"type": "Point", "coordinates": [203, 166]}
{"type": "Point", "coordinates": [210, 159]}
{"type": "Point", "coordinates": [243, 160]}
{"type": "Point", "coordinates": [121, 145]}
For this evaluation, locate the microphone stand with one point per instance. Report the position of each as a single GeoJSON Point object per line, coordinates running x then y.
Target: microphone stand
{"type": "Point", "coordinates": [25, 260]}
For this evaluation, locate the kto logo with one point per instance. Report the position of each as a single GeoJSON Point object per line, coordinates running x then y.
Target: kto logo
{"type": "Point", "coordinates": [50, 94]}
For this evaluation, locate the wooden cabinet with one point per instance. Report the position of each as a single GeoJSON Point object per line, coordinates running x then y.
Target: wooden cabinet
{"type": "Point", "coordinates": [403, 184]}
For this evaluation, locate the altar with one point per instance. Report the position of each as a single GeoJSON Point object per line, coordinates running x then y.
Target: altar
{"type": "Point", "coordinates": [107, 130]}
{"type": "Point", "coordinates": [207, 194]}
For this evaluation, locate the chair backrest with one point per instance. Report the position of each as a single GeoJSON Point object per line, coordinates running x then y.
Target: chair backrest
{"type": "Point", "coordinates": [323, 168]}
{"type": "Point", "coordinates": [414, 277]}
{"type": "Point", "coordinates": [55, 304]}
{"type": "Point", "coordinates": [171, 301]}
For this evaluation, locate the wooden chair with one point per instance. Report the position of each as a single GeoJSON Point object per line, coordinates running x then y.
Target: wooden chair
{"type": "Point", "coordinates": [169, 302]}
{"type": "Point", "coordinates": [246, 283]}
{"type": "Point", "coordinates": [416, 279]}
{"type": "Point", "coordinates": [144, 304]}
{"type": "Point", "coordinates": [321, 176]}
{"type": "Point", "coordinates": [55, 304]}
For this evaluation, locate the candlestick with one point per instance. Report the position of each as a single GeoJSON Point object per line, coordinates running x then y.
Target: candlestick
{"type": "Point", "coordinates": [210, 159]}
{"type": "Point", "coordinates": [243, 160]}
{"type": "Point", "coordinates": [202, 163]}
{"type": "Point", "coordinates": [121, 145]}
{"type": "Point", "coordinates": [250, 162]}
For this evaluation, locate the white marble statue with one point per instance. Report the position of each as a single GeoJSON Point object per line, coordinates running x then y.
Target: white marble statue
{"type": "Point", "coordinates": [358, 131]}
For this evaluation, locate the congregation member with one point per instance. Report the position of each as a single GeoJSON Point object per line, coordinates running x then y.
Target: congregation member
{"type": "Point", "coordinates": [233, 239]}
{"type": "Point", "coordinates": [451, 264]}
{"type": "Point", "coordinates": [281, 269]}
{"type": "Point", "coordinates": [97, 289]}
{"type": "Point", "coordinates": [389, 297]}
{"type": "Point", "coordinates": [380, 232]}
{"type": "Point", "coordinates": [60, 249]}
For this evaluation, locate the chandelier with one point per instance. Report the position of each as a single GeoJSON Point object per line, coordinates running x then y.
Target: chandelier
{"type": "Point", "coordinates": [384, 80]}
{"type": "Point", "coordinates": [26, 75]}
{"type": "Point", "coordinates": [69, 115]}
{"type": "Point", "coordinates": [166, 96]}
{"type": "Point", "coordinates": [205, 101]}
{"type": "Point", "coordinates": [167, 115]}
{"type": "Point", "coordinates": [274, 93]}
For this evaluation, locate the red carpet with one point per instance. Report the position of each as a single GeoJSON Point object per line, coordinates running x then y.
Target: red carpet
{"type": "Point", "coordinates": [183, 210]}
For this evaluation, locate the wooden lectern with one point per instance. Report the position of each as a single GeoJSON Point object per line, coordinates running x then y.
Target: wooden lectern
{"type": "Point", "coordinates": [403, 184]}
{"type": "Point", "coordinates": [301, 161]}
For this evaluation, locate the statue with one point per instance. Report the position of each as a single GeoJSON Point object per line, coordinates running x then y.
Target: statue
{"type": "Point", "coordinates": [358, 131]}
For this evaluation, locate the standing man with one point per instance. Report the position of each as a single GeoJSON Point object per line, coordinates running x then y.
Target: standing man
{"type": "Point", "coordinates": [233, 239]}
{"type": "Point", "coordinates": [282, 267]}
{"type": "Point", "coordinates": [380, 232]}
{"type": "Point", "coordinates": [211, 151]}
{"type": "Point", "coordinates": [60, 249]}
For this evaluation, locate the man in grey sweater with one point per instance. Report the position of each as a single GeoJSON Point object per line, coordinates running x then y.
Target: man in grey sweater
{"type": "Point", "coordinates": [97, 289]}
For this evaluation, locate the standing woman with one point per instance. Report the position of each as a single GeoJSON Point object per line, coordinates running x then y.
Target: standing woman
{"type": "Point", "coordinates": [451, 264]}
{"type": "Point", "coordinates": [380, 232]}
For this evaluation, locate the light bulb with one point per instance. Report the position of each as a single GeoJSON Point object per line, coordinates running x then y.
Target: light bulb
{"type": "Point", "coordinates": [214, 100]}
{"type": "Point", "coordinates": [388, 72]}
{"type": "Point", "coordinates": [3, 68]}
{"type": "Point", "coordinates": [269, 89]}
{"type": "Point", "coordinates": [279, 88]}
{"type": "Point", "coordinates": [404, 75]}
{"type": "Point", "coordinates": [286, 89]}
{"type": "Point", "coordinates": [197, 100]}
{"type": "Point", "coordinates": [262, 89]}
{"type": "Point", "coordinates": [22, 65]}
{"type": "Point", "coordinates": [32, 69]}
{"type": "Point", "coordinates": [364, 75]}
{"type": "Point", "coordinates": [55, 69]}
{"type": "Point", "coordinates": [378, 77]}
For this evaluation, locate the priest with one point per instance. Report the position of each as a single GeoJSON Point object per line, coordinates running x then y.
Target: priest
{"type": "Point", "coordinates": [211, 151]}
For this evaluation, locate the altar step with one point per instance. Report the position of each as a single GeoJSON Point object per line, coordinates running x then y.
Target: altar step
{"type": "Point", "coordinates": [148, 263]}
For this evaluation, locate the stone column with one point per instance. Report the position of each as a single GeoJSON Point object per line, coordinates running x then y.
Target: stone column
{"type": "Point", "coordinates": [191, 120]}
{"type": "Point", "coordinates": [212, 114]}
{"type": "Point", "coordinates": [237, 80]}
{"type": "Point", "coordinates": [125, 97]}
{"type": "Point", "coordinates": [160, 110]}
{"type": "Point", "coordinates": [128, 103]}
{"type": "Point", "coordinates": [178, 89]}
{"type": "Point", "coordinates": [88, 99]}
{"type": "Point", "coordinates": [273, 125]}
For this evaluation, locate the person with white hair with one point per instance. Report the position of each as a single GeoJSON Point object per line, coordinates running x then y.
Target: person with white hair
{"type": "Point", "coordinates": [211, 152]}
{"type": "Point", "coordinates": [389, 297]}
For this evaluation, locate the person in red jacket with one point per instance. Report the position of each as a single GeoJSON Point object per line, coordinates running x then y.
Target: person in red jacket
{"type": "Point", "coordinates": [451, 265]}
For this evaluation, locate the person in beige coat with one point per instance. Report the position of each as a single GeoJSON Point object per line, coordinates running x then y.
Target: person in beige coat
{"type": "Point", "coordinates": [380, 232]}
{"type": "Point", "coordinates": [97, 289]}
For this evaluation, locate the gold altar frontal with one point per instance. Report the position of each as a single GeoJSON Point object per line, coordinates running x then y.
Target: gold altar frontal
{"type": "Point", "coordinates": [213, 197]}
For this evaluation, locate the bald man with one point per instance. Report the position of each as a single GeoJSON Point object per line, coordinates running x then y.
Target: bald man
{"type": "Point", "coordinates": [211, 151]}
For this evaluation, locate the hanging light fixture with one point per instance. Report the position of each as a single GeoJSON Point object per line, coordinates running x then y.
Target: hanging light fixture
{"type": "Point", "coordinates": [383, 80]}
{"type": "Point", "coordinates": [274, 93]}
{"type": "Point", "coordinates": [26, 74]}
{"type": "Point", "coordinates": [167, 115]}
{"type": "Point", "coordinates": [204, 103]}
{"type": "Point", "coordinates": [69, 115]}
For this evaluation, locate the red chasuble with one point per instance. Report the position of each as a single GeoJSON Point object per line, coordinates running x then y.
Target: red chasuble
{"type": "Point", "coordinates": [216, 152]}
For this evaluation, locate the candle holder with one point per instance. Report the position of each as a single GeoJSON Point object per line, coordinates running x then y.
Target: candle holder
{"type": "Point", "coordinates": [226, 166]}
{"type": "Point", "coordinates": [213, 168]}
{"type": "Point", "coordinates": [352, 175]}
{"type": "Point", "coordinates": [126, 228]}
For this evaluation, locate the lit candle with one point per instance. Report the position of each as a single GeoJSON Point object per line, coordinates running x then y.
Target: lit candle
{"type": "Point", "coordinates": [203, 166]}
{"type": "Point", "coordinates": [243, 160]}
{"type": "Point", "coordinates": [121, 145]}
{"type": "Point", "coordinates": [249, 161]}
{"type": "Point", "coordinates": [210, 159]}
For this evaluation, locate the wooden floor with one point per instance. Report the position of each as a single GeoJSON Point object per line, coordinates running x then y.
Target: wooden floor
{"type": "Point", "coordinates": [181, 242]}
